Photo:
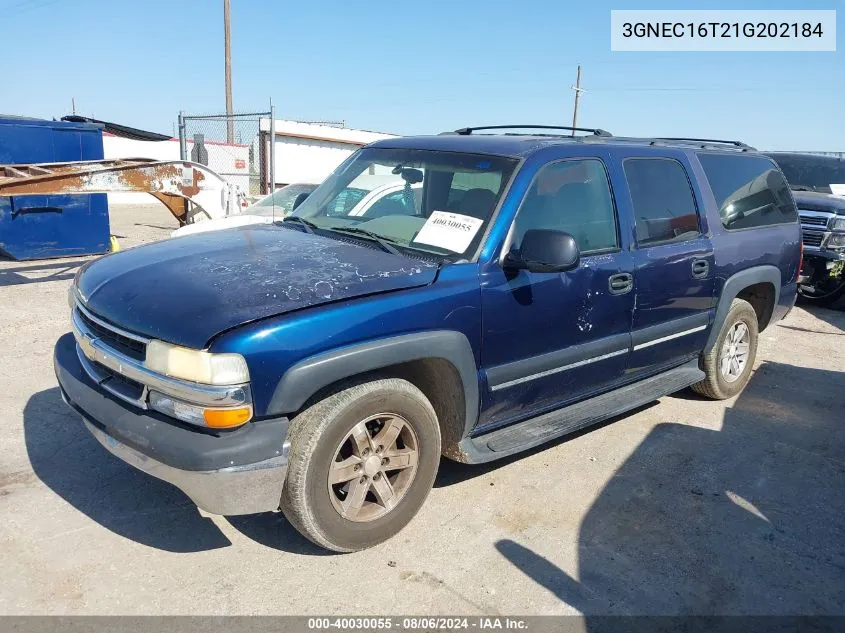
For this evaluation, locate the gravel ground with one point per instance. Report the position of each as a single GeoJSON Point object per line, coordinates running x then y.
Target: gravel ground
{"type": "Point", "coordinates": [684, 507]}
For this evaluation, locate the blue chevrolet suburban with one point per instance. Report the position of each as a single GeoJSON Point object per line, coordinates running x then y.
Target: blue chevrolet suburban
{"type": "Point", "coordinates": [539, 283]}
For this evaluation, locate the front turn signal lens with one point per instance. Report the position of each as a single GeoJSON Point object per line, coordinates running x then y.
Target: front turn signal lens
{"type": "Point", "coordinates": [226, 418]}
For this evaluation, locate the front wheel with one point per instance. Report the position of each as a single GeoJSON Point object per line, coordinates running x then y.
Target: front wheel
{"type": "Point", "coordinates": [362, 462]}
{"type": "Point", "coordinates": [727, 367]}
{"type": "Point", "coordinates": [825, 287]}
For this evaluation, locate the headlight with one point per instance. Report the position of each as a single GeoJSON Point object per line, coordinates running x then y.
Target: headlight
{"type": "Point", "coordinates": [836, 241]}
{"type": "Point", "coordinates": [838, 224]}
{"type": "Point", "coordinates": [196, 365]}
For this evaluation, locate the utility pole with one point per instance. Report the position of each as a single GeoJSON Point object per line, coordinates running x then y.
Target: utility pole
{"type": "Point", "coordinates": [227, 44]}
{"type": "Point", "coordinates": [578, 90]}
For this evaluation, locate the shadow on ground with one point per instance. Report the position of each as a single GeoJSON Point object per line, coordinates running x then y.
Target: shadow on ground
{"type": "Point", "coordinates": [42, 271]}
{"type": "Point", "coordinates": [67, 458]}
{"type": "Point", "coordinates": [746, 520]}
{"type": "Point", "coordinates": [833, 316]}
{"type": "Point", "coordinates": [271, 529]}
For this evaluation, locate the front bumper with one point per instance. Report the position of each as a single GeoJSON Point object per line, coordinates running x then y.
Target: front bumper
{"type": "Point", "coordinates": [826, 254]}
{"type": "Point", "coordinates": [230, 472]}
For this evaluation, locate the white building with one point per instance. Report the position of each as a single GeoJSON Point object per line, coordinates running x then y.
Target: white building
{"type": "Point", "coordinates": [305, 153]}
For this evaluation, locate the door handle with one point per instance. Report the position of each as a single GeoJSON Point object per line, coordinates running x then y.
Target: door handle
{"type": "Point", "coordinates": [620, 284]}
{"type": "Point", "coordinates": [700, 268]}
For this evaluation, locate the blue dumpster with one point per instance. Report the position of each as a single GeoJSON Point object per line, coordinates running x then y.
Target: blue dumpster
{"type": "Point", "coordinates": [36, 227]}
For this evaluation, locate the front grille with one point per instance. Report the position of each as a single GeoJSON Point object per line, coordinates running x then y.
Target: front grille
{"type": "Point", "coordinates": [123, 344]}
{"type": "Point", "coordinates": [120, 383]}
{"type": "Point", "coordinates": [814, 220]}
{"type": "Point", "coordinates": [812, 238]}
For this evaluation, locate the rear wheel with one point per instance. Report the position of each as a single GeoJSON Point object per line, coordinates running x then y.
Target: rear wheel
{"type": "Point", "coordinates": [362, 462]}
{"type": "Point", "coordinates": [727, 367]}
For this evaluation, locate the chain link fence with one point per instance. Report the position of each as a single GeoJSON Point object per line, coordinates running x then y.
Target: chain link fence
{"type": "Point", "coordinates": [236, 146]}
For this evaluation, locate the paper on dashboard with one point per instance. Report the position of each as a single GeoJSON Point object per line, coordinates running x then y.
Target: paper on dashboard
{"type": "Point", "coordinates": [450, 231]}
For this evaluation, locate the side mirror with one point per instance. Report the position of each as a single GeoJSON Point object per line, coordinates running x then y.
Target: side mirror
{"type": "Point", "coordinates": [545, 251]}
{"type": "Point", "coordinates": [300, 198]}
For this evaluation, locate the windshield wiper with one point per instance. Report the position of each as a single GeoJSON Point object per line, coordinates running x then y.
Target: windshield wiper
{"type": "Point", "coordinates": [375, 237]}
{"type": "Point", "coordinates": [306, 224]}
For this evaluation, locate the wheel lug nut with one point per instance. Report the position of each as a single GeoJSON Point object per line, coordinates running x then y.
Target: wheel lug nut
{"type": "Point", "coordinates": [384, 461]}
{"type": "Point", "coordinates": [356, 467]}
{"type": "Point", "coordinates": [364, 479]}
{"type": "Point", "coordinates": [365, 452]}
{"type": "Point", "coordinates": [377, 476]}
{"type": "Point", "coordinates": [379, 449]}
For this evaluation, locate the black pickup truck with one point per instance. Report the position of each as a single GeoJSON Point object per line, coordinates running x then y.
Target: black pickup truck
{"type": "Point", "coordinates": [813, 179]}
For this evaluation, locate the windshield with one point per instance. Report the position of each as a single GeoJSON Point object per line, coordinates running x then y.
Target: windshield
{"type": "Point", "coordinates": [817, 173]}
{"type": "Point", "coordinates": [279, 204]}
{"type": "Point", "coordinates": [431, 202]}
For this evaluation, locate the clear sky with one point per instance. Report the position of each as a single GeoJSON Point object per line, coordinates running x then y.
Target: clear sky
{"type": "Point", "coordinates": [411, 67]}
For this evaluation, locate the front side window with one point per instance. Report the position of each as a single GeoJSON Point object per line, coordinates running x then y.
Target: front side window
{"type": "Point", "coordinates": [664, 206]}
{"type": "Point", "coordinates": [407, 197]}
{"type": "Point", "coordinates": [750, 190]}
{"type": "Point", "coordinates": [571, 196]}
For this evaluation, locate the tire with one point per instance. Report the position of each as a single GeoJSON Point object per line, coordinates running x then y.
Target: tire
{"type": "Point", "coordinates": [825, 300]}
{"type": "Point", "coordinates": [323, 433]}
{"type": "Point", "coordinates": [716, 384]}
{"type": "Point", "coordinates": [832, 289]}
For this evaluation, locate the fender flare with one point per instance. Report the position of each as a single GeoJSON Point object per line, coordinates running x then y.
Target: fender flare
{"type": "Point", "coordinates": [735, 284]}
{"type": "Point", "coordinates": [308, 376]}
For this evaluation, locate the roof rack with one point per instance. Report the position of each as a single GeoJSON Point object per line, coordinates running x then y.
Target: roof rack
{"type": "Point", "coordinates": [705, 142]}
{"type": "Point", "coordinates": [466, 131]}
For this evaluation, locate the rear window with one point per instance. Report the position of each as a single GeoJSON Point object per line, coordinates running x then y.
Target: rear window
{"type": "Point", "coordinates": [750, 190]}
{"type": "Point", "coordinates": [664, 207]}
{"type": "Point", "coordinates": [818, 173]}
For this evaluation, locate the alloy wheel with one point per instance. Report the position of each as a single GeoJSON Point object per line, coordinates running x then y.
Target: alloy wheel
{"type": "Point", "coordinates": [373, 467]}
{"type": "Point", "coordinates": [734, 353]}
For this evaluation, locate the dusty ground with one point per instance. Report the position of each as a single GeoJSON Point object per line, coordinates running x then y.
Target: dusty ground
{"type": "Point", "coordinates": [686, 506]}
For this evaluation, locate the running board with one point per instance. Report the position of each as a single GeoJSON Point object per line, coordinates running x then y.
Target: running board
{"type": "Point", "coordinates": [535, 431]}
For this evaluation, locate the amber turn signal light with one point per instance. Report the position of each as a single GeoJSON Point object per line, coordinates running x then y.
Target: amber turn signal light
{"type": "Point", "coordinates": [226, 418]}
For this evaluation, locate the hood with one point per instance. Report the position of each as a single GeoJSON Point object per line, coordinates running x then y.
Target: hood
{"type": "Point", "coordinates": [824, 202]}
{"type": "Point", "coordinates": [187, 290]}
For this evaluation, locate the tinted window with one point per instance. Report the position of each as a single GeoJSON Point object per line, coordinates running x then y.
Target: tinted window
{"type": "Point", "coordinates": [572, 196]}
{"type": "Point", "coordinates": [664, 207]}
{"type": "Point", "coordinates": [750, 190]}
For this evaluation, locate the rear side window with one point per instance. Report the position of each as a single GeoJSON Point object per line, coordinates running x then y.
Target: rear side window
{"type": "Point", "coordinates": [664, 207]}
{"type": "Point", "coordinates": [750, 191]}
